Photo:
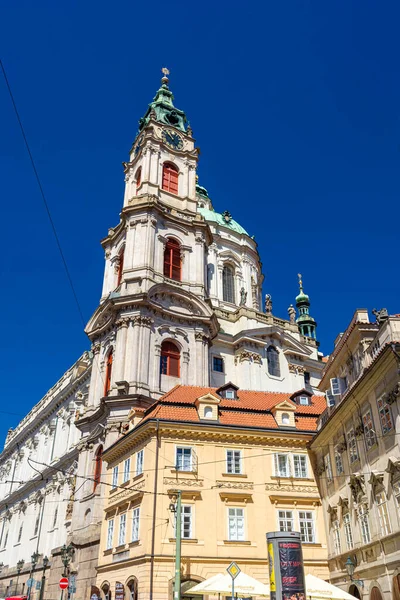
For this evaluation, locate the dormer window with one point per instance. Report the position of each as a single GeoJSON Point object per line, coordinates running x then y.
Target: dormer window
{"type": "Point", "coordinates": [228, 391]}
{"type": "Point", "coordinates": [302, 397]}
{"type": "Point", "coordinates": [285, 419]}
{"type": "Point", "coordinates": [208, 412]}
{"type": "Point", "coordinates": [304, 400]}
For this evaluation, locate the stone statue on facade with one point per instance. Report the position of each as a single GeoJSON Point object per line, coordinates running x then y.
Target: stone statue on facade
{"type": "Point", "coordinates": [381, 315]}
{"type": "Point", "coordinates": [292, 313]}
{"type": "Point", "coordinates": [243, 296]}
{"type": "Point", "coordinates": [268, 304]}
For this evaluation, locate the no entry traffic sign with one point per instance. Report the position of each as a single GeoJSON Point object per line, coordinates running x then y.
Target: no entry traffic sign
{"type": "Point", "coordinates": [63, 583]}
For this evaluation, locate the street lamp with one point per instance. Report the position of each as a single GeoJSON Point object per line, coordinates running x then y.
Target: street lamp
{"type": "Point", "coordinates": [350, 566]}
{"type": "Point", "coordinates": [45, 563]}
{"type": "Point", "coordinates": [34, 559]}
{"type": "Point", "coordinates": [67, 553]}
{"type": "Point", "coordinates": [20, 564]}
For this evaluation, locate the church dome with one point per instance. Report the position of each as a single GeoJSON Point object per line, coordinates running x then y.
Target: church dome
{"type": "Point", "coordinates": [302, 297]}
{"type": "Point", "coordinates": [224, 219]}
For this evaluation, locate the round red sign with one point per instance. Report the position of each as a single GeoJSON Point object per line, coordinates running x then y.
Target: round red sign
{"type": "Point", "coordinates": [63, 583]}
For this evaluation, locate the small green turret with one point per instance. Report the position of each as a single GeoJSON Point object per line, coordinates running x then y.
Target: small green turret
{"type": "Point", "coordinates": [307, 324]}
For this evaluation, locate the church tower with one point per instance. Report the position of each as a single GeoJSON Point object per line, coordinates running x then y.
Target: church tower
{"type": "Point", "coordinates": [153, 326]}
{"type": "Point", "coordinates": [307, 324]}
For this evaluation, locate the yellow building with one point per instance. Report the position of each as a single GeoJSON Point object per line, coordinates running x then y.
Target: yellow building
{"type": "Point", "coordinates": [240, 460]}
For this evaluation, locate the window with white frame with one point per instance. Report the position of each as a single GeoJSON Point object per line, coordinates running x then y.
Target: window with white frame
{"type": "Point", "coordinates": [352, 445]}
{"type": "Point", "coordinates": [236, 524]}
{"type": "Point", "coordinates": [369, 431]}
{"type": "Point", "coordinates": [396, 494]}
{"type": "Point", "coordinates": [135, 524]}
{"type": "Point", "coordinates": [381, 504]}
{"type": "Point", "coordinates": [114, 477]}
{"type": "Point", "coordinates": [110, 534]}
{"type": "Point", "coordinates": [385, 415]}
{"type": "Point", "coordinates": [304, 400]}
{"type": "Point", "coordinates": [339, 462]}
{"type": "Point", "coordinates": [184, 458]}
{"type": "Point", "coordinates": [127, 469]}
{"type": "Point", "coordinates": [348, 533]}
{"type": "Point", "coordinates": [307, 529]}
{"type": "Point", "coordinates": [336, 537]}
{"type": "Point", "coordinates": [186, 521]}
{"type": "Point", "coordinates": [300, 466]}
{"type": "Point", "coordinates": [285, 520]}
{"type": "Point", "coordinates": [363, 519]}
{"type": "Point", "coordinates": [139, 462]}
{"type": "Point", "coordinates": [328, 468]}
{"type": "Point", "coordinates": [234, 461]}
{"type": "Point", "coordinates": [122, 530]}
{"type": "Point", "coordinates": [282, 465]}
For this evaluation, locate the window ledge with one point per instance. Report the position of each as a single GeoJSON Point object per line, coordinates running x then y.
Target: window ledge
{"type": "Point", "coordinates": [291, 478]}
{"type": "Point", "coordinates": [134, 543]}
{"type": "Point", "coordinates": [244, 475]}
{"type": "Point", "coordinates": [138, 476]}
{"type": "Point", "coordinates": [17, 544]}
{"type": "Point", "coordinates": [113, 490]}
{"type": "Point", "coordinates": [125, 483]}
{"type": "Point", "coordinates": [185, 540]}
{"type": "Point", "coordinates": [237, 542]}
{"type": "Point", "coordinates": [180, 471]}
{"type": "Point", "coordinates": [107, 552]}
{"type": "Point", "coordinates": [120, 548]}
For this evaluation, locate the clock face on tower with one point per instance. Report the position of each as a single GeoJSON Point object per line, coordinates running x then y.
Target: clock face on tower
{"type": "Point", "coordinates": [172, 139]}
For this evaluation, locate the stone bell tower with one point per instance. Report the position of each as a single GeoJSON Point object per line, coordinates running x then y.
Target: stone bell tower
{"type": "Point", "coordinates": [153, 326]}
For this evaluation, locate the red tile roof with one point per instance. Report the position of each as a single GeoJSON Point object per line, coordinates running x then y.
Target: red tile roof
{"type": "Point", "coordinates": [251, 409]}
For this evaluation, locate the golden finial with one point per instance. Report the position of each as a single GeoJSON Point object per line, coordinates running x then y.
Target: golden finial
{"type": "Point", "coordinates": [300, 281]}
{"type": "Point", "coordinates": [165, 72]}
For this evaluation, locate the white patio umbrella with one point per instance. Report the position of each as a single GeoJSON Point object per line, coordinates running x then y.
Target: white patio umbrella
{"type": "Point", "coordinates": [319, 589]}
{"type": "Point", "coordinates": [245, 586]}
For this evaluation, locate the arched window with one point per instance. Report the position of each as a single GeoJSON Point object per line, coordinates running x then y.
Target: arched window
{"type": "Point", "coordinates": [228, 284]}
{"type": "Point", "coordinates": [120, 266]}
{"type": "Point", "coordinates": [106, 591]}
{"type": "Point", "coordinates": [133, 589]}
{"type": "Point", "coordinates": [208, 412]}
{"type": "Point", "coordinates": [285, 419]}
{"type": "Point", "coordinates": [170, 359]}
{"type": "Point", "coordinates": [273, 361]}
{"type": "Point", "coordinates": [107, 382]}
{"type": "Point", "coordinates": [170, 178]}
{"type": "Point", "coordinates": [138, 178]}
{"type": "Point", "coordinates": [172, 260]}
{"type": "Point", "coordinates": [98, 467]}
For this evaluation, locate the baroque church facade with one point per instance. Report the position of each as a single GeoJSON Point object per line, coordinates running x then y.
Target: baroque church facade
{"type": "Point", "coordinates": [181, 304]}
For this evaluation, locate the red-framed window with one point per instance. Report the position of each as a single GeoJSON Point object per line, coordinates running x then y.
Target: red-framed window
{"type": "Point", "coordinates": [172, 260]}
{"type": "Point", "coordinates": [97, 467]}
{"type": "Point", "coordinates": [170, 178]}
{"type": "Point", "coordinates": [120, 268]}
{"type": "Point", "coordinates": [170, 359]}
{"type": "Point", "coordinates": [138, 178]}
{"type": "Point", "coordinates": [107, 382]}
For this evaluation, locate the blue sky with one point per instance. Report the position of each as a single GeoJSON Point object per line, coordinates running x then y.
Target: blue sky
{"type": "Point", "coordinates": [295, 106]}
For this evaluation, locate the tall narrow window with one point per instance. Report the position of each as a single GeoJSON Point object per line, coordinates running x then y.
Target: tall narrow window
{"type": "Point", "coordinates": [115, 477]}
{"type": "Point", "coordinates": [170, 178]}
{"type": "Point", "coordinates": [300, 466]}
{"type": "Point", "coordinates": [396, 494]}
{"type": "Point", "coordinates": [135, 524]}
{"type": "Point", "coordinates": [139, 462]}
{"type": "Point", "coordinates": [381, 503]}
{"type": "Point", "coordinates": [122, 530]}
{"type": "Point", "coordinates": [282, 465]}
{"type": "Point", "coordinates": [172, 260]}
{"type": "Point", "coordinates": [328, 468]}
{"type": "Point", "coordinates": [348, 531]}
{"type": "Point", "coordinates": [98, 467]}
{"type": "Point", "coordinates": [127, 470]}
{"type": "Point", "coordinates": [228, 284]}
{"type": "Point", "coordinates": [336, 537]}
{"type": "Point", "coordinates": [20, 533]}
{"type": "Point", "coordinates": [306, 522]}
{"type": "Point", "coordinates": [110, 534]}
{"type": "Point", "coordinates": [339, 462]}
{"type": "Point", "coordinates": [363, 519]}
{"type": "Point", "coordinates": [352, 445]}
{"type": "Point", "coordinates": [236, 524]}
{"type": "Point", "coordinates": [170, 359]}
{"type": "Point", "coordinates": [385, 416]}
{"type": "Point", "coordinates": [285, 520]}
{"type": "Point", "coordinates": [107, 382]}
{"type": "Point", "coordinates": [36, 530]}
{"type": "Point", "coordinates": [369, 430]}
{"type": "Point", "coordinates": [55, 518]}
{"type": "Point", "coordinates": [120, 267]}
{"type": "Point", "coordinates": [234, 461]}
{"type": "Point", "coordinates": [183, 459]}
{"type": "Point", "coordinates": [186, 521]}
{"type": "Point", "coordinates": [138, 178]}
{"type": "Point", "coordinates": [274, 368]}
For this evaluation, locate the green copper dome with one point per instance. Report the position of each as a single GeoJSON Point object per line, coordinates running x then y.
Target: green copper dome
{"type": "Point", "coordinates": [302, 297]}
{"type": "Point", "coordinates": [224, 219]}
{"type": "Point", "coordinates": [162, 108]}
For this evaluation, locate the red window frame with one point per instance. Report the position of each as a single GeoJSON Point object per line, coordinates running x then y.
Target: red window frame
{"type": "Point", "coordinates": [107, 382]}
{"type": "Point", "coordinates": [98, 467]}
{"type": "Point", "coordinates": [172, 260]}
{"type": "Point", "coordinates": [170, 359]}
{"type": "Point", "coordinates": [170, 177]}
{"type": "Point", "coordinates": [138, 178]}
